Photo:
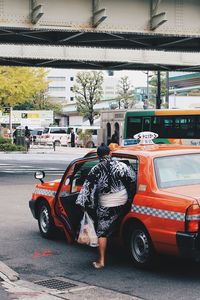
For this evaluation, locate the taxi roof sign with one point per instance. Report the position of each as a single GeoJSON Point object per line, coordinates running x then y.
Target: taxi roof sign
{"type": "Point", "coordinates": [146, 137]}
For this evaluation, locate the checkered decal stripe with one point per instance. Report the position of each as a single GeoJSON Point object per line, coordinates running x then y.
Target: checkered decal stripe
{"type": "Point", "coordinates": [160, 213]}
{"type": "Point", "coordinates": [193, 217]}
{"type": "Point", "coordinates": [44, 192]}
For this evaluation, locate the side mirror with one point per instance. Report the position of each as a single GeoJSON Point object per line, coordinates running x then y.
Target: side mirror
{"type": "Point", "coordinates": [67, 181]}
{"type": "Point", "coordinates": [39, 175]}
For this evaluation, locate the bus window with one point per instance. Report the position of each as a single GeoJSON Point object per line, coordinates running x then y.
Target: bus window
{"type": "Point", "coordinates": [168, 124]}
{"type": "Point", "coordinates": [134, 125]}
{"type": "Point", "coordinates": [197, 132]}
{"type": "Point", "coordinates": [146, 124]}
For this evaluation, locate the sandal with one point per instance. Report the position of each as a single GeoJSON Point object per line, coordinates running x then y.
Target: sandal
{"type": "Point", "coordinates": [97, 265]}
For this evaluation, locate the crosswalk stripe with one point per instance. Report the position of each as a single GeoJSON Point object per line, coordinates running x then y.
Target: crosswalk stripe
{"type": "Point", "coordinates": [25, 172]}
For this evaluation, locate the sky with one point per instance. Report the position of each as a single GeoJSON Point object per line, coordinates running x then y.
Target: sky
{"type": "Point", "coordinates": [137, 78]}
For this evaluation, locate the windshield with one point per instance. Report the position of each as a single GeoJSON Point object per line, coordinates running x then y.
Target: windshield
{"type": "Point", "coordinates": [179, 170]}
{"type": "Point", "coordinates": [46, 130]}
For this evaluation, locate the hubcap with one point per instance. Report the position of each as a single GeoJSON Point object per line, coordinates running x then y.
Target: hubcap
{"type": "Point", "coordinates": [44, 219]}
{"type": "Point", "coordinates": [140, 246]}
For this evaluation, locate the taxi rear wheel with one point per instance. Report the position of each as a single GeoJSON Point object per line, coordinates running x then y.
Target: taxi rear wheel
{"type": "Point", "coordinates": [141, 249]}
{"type": "Point", "coordinates": [45, 221]}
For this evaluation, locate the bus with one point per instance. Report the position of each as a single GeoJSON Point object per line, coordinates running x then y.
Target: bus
{"type": "Point", "coordinates": [180, 126]}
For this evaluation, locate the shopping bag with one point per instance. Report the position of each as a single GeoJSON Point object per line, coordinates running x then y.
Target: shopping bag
{"type": "Point", "coordinates": [87, 234]}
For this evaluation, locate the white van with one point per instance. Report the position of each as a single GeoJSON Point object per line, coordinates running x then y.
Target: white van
{"type": "Point", "coordinates": [57, 135]}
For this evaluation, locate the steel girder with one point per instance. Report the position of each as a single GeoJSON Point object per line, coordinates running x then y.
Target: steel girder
{"type": "Point", "coordinates": [129, 24]}
{"type": "Point", "coordinates": [101, 58]}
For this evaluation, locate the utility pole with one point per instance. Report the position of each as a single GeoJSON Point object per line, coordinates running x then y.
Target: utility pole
{"type": "Point", "coordinates": [167, 89]}
{"type": "Point", "coordinates": [10, 123]}
{"type": "Point", "coordinates": [158, 95]}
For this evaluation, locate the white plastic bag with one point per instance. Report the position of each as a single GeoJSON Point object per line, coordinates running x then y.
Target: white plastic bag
{"type": "Point", "coordinates": [87, 234]}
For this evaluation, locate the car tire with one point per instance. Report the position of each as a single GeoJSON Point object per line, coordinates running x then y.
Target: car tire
{"type": "Point", "coordinates": [57, 143]}
{"type": "Point", "coordinates": [141, 248]}
{"type": "Point", "coordinates": [45, 221]}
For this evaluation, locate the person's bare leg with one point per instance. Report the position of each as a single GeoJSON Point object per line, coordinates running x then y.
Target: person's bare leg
{"type": "Point", "coordinates": [102, 250]}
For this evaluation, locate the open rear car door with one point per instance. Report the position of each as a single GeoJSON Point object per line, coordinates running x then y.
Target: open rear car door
{"type": "Point", "coordinates": [66, 209]}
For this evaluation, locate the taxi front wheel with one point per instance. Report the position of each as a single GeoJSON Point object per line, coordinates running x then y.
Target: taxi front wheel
{"type": "Point", "coordinates": [45, 221]}
{"type": "Point", "coordinates": [141, 249]}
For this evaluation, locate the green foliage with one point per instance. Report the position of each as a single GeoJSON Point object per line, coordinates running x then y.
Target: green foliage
{"type": "Point", "coordinates": [10, 147]}
{"type": "Point", "coordinates": [125, 93]}
{"type": "Point", "coordinates": [88, 92]}
{"type": "Point", "coordinates": [37, 103]}
{"type": "Point", "coordinates": [5, 141]}
{"type": "Point", "coordinates": [6, 145]}
{"type": "Point", "coordinates": [20, 84]}
{"type": "Point", "coordinates": [85, 136]}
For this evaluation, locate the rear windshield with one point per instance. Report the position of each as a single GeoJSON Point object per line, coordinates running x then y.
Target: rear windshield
{"type": "Point", "coordinates": [58, 130]}
{"type": "Point", "coordinates": [177, 170]}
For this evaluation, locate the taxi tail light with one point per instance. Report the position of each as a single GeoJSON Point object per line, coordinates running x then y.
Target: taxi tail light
{"type": "Point", "coordinates": [193, 218]}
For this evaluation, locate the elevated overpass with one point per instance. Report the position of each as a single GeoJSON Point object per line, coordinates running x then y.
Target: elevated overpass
{"type": "Point", "coordinates": [101, 34]}
{"type": "Point", "coordinates": [97, 58]}
{"type": "Point", "coordinates": [147, 24]}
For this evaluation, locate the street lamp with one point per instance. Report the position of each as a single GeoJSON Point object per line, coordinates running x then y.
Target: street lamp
{"type": "Point", "coordinates": [147, 80]}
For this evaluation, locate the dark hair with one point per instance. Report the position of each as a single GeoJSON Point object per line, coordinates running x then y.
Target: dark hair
{"type": "Point", "coordinates": [103, 150]}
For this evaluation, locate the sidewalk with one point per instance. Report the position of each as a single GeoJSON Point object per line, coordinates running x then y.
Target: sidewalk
{"type": "Point", "coordinates": [44, 153]}
{"type": "Point", "coordinates": [73, 290]}
{"type": "Point", "coordinates": [37, 149]}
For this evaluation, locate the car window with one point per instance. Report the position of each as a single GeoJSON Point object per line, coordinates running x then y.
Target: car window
{"type": "Point", "coordinates": [177, 170]}
{"type": "Point", "coordinates": [132, 162]}
{"type": "Point", "coordinates": [58, 130]}
{"type": "Point", "coordinates": [80, 174]}
{"type": "Point", "coordinates": [46, 130]}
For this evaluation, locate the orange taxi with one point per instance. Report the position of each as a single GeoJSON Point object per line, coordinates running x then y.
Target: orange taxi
{"type": "Point", "coordinates": [164, 215]}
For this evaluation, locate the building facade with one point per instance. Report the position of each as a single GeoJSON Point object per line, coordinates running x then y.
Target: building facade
{"type": "Point", "coordinates": [60, 90]}
{"type": "Point", "coordinates": [184, 90]}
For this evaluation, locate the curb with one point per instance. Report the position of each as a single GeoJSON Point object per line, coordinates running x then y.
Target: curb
{"type": "Point", "coordinates": [7, 272]}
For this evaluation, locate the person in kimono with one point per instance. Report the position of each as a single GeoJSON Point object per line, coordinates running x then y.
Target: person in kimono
{"type": "Point", "coordinates": [107, 189]}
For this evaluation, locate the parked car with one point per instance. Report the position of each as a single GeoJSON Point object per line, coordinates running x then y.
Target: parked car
{"type": "Point", "coordinates": [55, 134]}
{"type": "Point", "coordinates": [164, 215]}
{"type": "Point", "coordinates": [36, 135]}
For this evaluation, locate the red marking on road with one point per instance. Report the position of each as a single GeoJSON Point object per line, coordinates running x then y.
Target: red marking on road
{"type": "Point", "coordinates": [37, 253]}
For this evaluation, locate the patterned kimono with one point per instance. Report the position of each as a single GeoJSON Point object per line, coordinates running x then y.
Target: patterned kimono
{"type": "Point", "coordinates": [107, 180]}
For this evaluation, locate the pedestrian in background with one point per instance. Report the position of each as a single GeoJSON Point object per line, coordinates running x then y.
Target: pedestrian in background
{"type": "Point", "coordinates": [115, 137]}
{"type": "Point", "coordinates": [27, 136]}
{"type": "Point", "coordinates": [15, 136]}
{"type": "Point", "coordinates": [72, 138]}
{"type": "Point", "coordinates": [107, 189]}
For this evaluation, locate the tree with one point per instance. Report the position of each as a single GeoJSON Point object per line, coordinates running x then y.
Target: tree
{"type": "Point", "coordinates": [19, 84]}
{"type": "Point", "coordinates": [40, 101]}
{"type": "Point", "coordinates": [88, 92]}
{"type": "Point", "coordinates": [125, 93]}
